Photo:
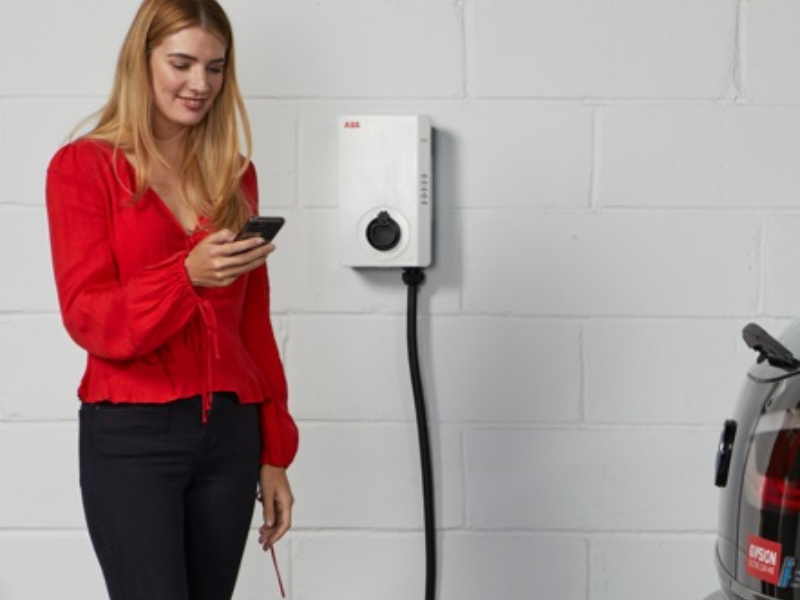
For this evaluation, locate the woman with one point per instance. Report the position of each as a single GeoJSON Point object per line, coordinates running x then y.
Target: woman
{"type": "Point", "coordinates": [183, 401]}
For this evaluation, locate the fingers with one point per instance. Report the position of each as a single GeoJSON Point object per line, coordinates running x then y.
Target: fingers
{"type": "Point", "coordinates": [276, 495]}
{"type": "Point", "coordinates": [246, 261]}
{"type": "Point", "coordinates": [222, 244]}
{"type": "Point", "coordinates": [220, 237]}
{"type": "Point", "coordinates": [228, 259]}
{"type": "Point", "coordinates": [281, 519]}
{"type": "Point", "coordinates": [277, 515]}
{"type": "Point", "coordinates": [218, 260]}
{"type": "Point", "coordinates": [237, 248]}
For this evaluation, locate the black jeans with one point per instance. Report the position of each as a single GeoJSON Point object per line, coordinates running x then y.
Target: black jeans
{"type": "Point", "coordinates": [168, 499]}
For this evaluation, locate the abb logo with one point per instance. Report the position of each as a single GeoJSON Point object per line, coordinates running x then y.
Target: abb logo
{"type": "Point", "coordinates": [352, 125]}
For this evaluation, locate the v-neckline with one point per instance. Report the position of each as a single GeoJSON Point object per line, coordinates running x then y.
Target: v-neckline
{"type": "Point", "coordinates": [172, 216]}
{"type": "Point", "coordinates": [163, 206]}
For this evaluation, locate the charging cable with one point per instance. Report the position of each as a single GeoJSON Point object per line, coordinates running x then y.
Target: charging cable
{"type": "Point", "coordinates": [413, 278]}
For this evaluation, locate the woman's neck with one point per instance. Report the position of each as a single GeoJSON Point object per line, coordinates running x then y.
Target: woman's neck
{"type": "Point", "coordinates": [172, 147]}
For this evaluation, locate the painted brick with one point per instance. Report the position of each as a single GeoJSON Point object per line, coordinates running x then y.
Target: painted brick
{"type": "Point", "coordinates": [513, 567]}
{"type": "Point", "coordinates": [354, 48]}
{"type": "Point", "coordinates": [38, 565]}
{"type": "Point", "coordinates": [33, 130]}
{"type": "Point", "coordinates": [770, 50]}
{"type": "Point", "coordinates": [361, 369]}
{"type": "Point", "coordinates": [386, 566]}
{"type": "Point", "coordinates": [698, 156]}
{"type": "Point", "coordinates": [274, 130]}
{"type": "Point", "coordinates": [53, 50]}
{"type": "Point", "coordinates": [644, 371]}
{"type": "Point", "coordinates": [611, 264]}
{"type": "Point", "coordinates": [30, 285]}
{"type": "Point", "coordinates": [494, 370]}
{"type": "Point", "coordinates": [317, 151]}
{"type": "Point", "coordinates": [591, 480]}
{"type": "Point", "coordinates": [512, 155]}
{"type": "Point", "coordinates": [661, 568]}
{"type": "Point", "coordinates": [760, 157]}
{"type": "Point", "coordinates": [660, 156]}
{"type": "Point", "coordinates": [781, 287]}
{"type": "Point", "coordinates": [39, 470]}
{"type": "Point", "coordinates": [611, 48]}
{"type": "Point", "coordinates": [29, 348]}
{"type": "Point", "coordinates": [4, 169]}
{"type": "Point", "coordinates": [369, 476]}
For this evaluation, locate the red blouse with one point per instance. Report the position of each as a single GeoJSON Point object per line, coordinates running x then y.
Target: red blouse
{"type": "Point", "coordinates": [126, 298]}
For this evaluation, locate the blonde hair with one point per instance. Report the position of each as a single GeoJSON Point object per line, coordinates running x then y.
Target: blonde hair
{"type": "Point", "coordinates": [213, 164]}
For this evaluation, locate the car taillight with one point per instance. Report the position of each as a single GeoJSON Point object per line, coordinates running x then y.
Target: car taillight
{"type": "Point", "coordinates": [778, 494]}
{"type": "Point", "coordinates": [773, 471]}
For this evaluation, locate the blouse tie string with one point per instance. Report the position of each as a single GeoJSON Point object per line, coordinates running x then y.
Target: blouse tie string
{"type": "Point", "coordinates": [208, 322]}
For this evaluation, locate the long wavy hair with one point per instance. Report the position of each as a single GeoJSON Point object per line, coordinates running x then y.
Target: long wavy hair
{"type": "Point", "coordinates": [213, 162]}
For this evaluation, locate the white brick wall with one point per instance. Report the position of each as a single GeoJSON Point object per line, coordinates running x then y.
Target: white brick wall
{"type": "Point", "coordinates": [616, 196]}
{"type": "Point", "coordinates": [601, 48]}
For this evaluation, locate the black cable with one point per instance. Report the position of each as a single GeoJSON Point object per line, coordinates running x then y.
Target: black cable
{"type": "Point", "coordinates": [413, 278]}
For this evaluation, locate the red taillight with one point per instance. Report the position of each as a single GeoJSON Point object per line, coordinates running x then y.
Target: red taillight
{"type": "Point", "coordinates": [780, 495]}
{"type": "Point", "coordinates": [778, 486]}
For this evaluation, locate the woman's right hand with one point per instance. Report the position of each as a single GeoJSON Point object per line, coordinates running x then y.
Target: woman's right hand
{"type": "Point", "coordinates": [218, 260]}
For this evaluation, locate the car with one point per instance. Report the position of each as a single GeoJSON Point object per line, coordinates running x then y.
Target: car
{"type": "Point", "coordinates": [758, 473]}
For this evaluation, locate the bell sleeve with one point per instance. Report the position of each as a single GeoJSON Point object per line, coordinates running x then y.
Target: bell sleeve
{"type": "Point", "coordinates": [109, 318]}
{"type": "Point", "coordinates": [279, 433]}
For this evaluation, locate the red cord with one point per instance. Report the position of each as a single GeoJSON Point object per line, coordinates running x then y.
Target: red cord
{"type": "Point", "coordinates": [277, 571]}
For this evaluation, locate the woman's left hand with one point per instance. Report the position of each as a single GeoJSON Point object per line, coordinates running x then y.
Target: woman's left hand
{"type": "Point", "coordinates": [277, 499]}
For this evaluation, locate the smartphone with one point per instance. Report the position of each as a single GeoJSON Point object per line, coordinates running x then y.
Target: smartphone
{"type": "Point", "coordinates": [266, 227]}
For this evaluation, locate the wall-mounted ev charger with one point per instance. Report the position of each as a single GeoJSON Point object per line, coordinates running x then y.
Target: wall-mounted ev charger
{"type": "Point", "coordinates": [385, 220]}
{"type": "Point", "coordinates": [385, 191]}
